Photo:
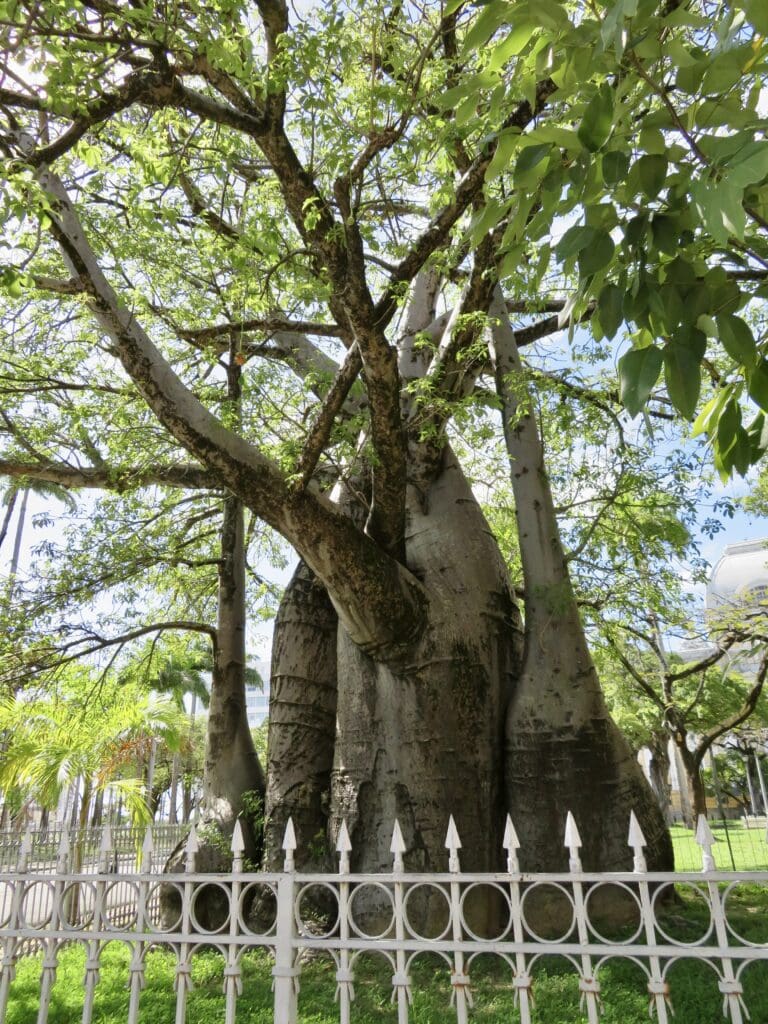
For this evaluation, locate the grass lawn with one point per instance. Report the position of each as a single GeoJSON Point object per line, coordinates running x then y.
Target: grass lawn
{"type": "Point", "coordinates": [695, 994]}
{"type": "Point", "coordinates": [750, 850]}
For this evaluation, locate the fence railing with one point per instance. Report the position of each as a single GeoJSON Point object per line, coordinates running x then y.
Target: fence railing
{"type": "Point", "coordinates": [587, 918]}
{"type": "Point", "coordinates": [125, 842]}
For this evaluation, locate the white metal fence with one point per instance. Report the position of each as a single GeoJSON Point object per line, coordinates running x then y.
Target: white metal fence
{"type": "Point", "coordinates": [125, 842]}
{"type": "Point", "coordinates": [587, 918]}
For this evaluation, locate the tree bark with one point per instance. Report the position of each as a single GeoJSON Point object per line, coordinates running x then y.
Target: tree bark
{"type": "Point", "coordinates": [302, 723]}
{"type": "Point", "coordinates": [659, 768]}
{"type": "Point", "coordinates": [563, 750]}
{"type": "Point", "coordinates": [232, 774]}
{"type": "Point", "coordinates": [231, 765]}
{"type": "Point", "coordinates": [423, 740]}
{"type": "Point", "coordinates": [696, 803]}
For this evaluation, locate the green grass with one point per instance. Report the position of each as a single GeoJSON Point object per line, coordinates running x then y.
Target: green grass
{"type": "Point", "coordinates": [750, 850]}
{"type": "Point", "coordinates": [625, 1001]}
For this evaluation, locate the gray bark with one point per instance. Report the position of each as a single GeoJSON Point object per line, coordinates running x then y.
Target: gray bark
{"type": "Point", "coordinates": [231, 768]}
{"type": "Point", "coordinates": [302, 722]}
{"type": "Point", "coordinates": [563, 750]}
{"type": "Point", "coordinates": [659, 768]}
{"type": "Point", "coordinates": [231, 764]}
{"type": "Point", "coordinates": [423, 740]}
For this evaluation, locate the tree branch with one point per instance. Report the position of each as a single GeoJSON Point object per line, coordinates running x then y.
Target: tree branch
{"type": "Point", "coordinates": [267, 324]}
{"type": "Point", "coordinates": [468, 188]}
{"type": "Point", "coordinates": [641, 681]}
{"type": "Point", "coordinates": [381, 603]}
{"type": "Point", "coordinates": [735, 720]}
{"type": "Point", "coordinates": [320, 431]}
{"type": "Point", "coordinates": [723, 647]}
{"type": "Point", "coordinates": [110, 478]}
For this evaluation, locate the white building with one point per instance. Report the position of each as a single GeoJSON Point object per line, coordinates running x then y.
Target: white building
{"type": "Point", "coordinates": [257, 699]}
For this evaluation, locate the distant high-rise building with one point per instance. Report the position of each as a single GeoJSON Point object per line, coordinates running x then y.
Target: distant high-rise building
{"type": "Point", "coordinates": [256, 699]}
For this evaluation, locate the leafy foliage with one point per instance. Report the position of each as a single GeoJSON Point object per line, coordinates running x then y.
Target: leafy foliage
{"type": "Point", "coordinates": [84, 729]}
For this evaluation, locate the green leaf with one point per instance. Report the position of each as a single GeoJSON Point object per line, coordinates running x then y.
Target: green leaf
{"type": "Point", "coordinates": [749, 166]}
{"type": "Point", "coordinates": [652, 171]}
{"type": "Point", "coordinates": [639, 370]}
{"type": "Point", "coordinates": [12, 281]}
{"type": "Point", "coordinates": [736, 339]}
{"type": "Point", "coordinates": [530, 160]}
{"type": "Point", "coordinates": [597, 254]}
{"type": "Point", "coordinates": [719, 205]}
{"type": "Point", "coordinates": [506, 146]}
{"type": "Point", "coordinates": [666, 233]}
{"type": "Point", "coordinates": [485, 24]}
{"type": "Point", "coordinates": [597, 122]}
{"type": "Point", "coordinates": [652, 141]}
{"type": "Point", "coordinates": [707, 419]}
{"type": "Point", "coordinates": [757, 384]}
{"type": "Point", "coordinates": [574, 240]}
{"type": "Point", "coordinates": [757, 12]}
{"type": "Point", "coordinates": [615, 166]}
{"type": "Point", "coordinates": [682, 374]}
{"type": "Point", "coordinates": [550, 14]}
{"type": "Point", "coordinates": [610, 308]}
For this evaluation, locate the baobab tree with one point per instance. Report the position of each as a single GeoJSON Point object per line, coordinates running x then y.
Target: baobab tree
{"type": "Point", "coordinates": [353, 204]}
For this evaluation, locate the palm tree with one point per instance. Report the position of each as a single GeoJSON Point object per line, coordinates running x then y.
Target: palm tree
{"type": "Point", "coordinates": [86, 729]}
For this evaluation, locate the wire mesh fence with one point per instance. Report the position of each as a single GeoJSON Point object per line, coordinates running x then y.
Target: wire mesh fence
{"type": "Point", "coordinates": [742, 845]}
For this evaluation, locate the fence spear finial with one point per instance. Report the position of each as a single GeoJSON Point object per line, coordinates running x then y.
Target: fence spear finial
{"type": "Point", "coordinates": [289, 845]}
{"type": "Point", "coordinates": [237, 846]}
{"type": "Point", "coordinates": [452, 845]}
{"type": "Point", "coordinates": [572, 842]}
{"type": "Point", "coordinates": [637, 842]}
{"type": "Point", "coordinates": [706, 841]}
{"type": "Point", "coordinates": [343, 847]}
{"type": "Point", "coordinates": [397, 847]}
{"type": "Point", "coordinates": [511, 844]}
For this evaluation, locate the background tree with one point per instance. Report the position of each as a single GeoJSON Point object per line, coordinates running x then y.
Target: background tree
{"type": "Point", "coordinates": [85, 730]}
{"type": "Point", "coordinates": [695, 704]}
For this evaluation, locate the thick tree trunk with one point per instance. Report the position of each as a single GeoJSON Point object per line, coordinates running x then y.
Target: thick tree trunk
{"type": "Point", "coordinates": [696, 804]}
{"type": "Point", "coordinates": [658, 769]}
{"type": "Point", "coordinates": [231, 765]}
{"type": "Point", "coordinates": [563, 751]}
{"type": "Point", "coordinates": [231, 768]}
{"type": "Point", "coordinates": [420, 739]}
{"type": "Point", "coordinates": [302, 723]}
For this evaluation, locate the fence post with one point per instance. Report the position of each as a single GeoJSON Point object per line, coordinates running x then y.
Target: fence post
{"type": "Point", "coordinates": [345, 990]}
{"type": "Point", "coordinates": [51, 945]}
{"type": "Point", "coordinates": [136, 968]}
{"type": "Point", "coordinates": [10, 944]}
{"type": "Point", "coordinates": [401, 983]}
{"type": "Point", "coordinates": [99, 916]}
{"type": "Point", "coordinates": [286, 972]}
{"type": "Point", "coordinates": [733, 1001]}
{"type": "Point", "coordinates": [459, 979]}
{"type": "Point", "coordinates": [233, 984]}
{"type": "Point", "coordinates": [522, 980]}
{"type": "Point", "coordinates": [183, 979]}
{"type": "Point", "coordinates": [588, 984]}
{"type": "Point", "coordinates": [658, 990]}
